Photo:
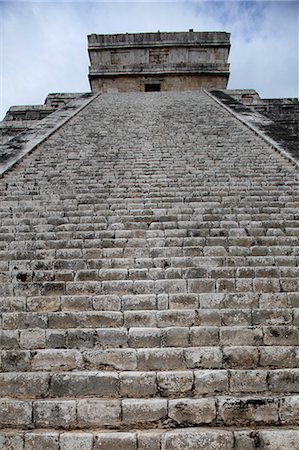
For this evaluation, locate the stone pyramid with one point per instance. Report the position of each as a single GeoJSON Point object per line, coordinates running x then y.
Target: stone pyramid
{"type": "Point", "coordinates": [149, 265]}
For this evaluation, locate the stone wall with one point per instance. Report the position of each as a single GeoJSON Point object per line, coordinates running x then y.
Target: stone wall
{"type": "Point", "coordinates": [284, 111]}
{"type": "Point", "coordinates": [177, 58]}
{"type": "Point", "coordinates": [22, 117]}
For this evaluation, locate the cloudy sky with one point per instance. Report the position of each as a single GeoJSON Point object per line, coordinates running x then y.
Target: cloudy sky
{"type": "Point", "coordinates": [44, 44]}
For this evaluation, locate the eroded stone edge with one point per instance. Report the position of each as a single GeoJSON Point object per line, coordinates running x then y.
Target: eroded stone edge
{"type": "Point", "coordinates": [249, 122]}
{"type": "Point", "coordinates": [42, 130]}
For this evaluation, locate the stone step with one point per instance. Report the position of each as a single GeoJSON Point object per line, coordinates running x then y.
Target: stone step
{"type": "Point", "coordinates": [256, 302]}
{"type": "Point", "coordinates": [151, 359]}
{"type": "Point", "coordinates": [107, 413]}
{"type": "Point", "coordinates": [191, 438]}
{"type": "Point", "coordinates": [284, 320]}
{"type": "Point", "coordinates": [148, 336]}
{"type": "Point", "coordinates": [148, 384]}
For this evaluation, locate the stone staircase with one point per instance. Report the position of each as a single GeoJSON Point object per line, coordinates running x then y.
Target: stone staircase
{"type": "Point", "coordinates": [149, 266]}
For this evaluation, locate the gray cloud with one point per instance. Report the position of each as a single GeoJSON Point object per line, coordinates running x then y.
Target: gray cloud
{"type": "Point", "coordinates": [44, 45]}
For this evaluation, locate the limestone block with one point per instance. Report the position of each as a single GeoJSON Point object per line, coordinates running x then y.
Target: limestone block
{"type": "Point", "coordinates": [76, 441]}
{"type": "Point", "coordinates": [266, 285]}
{"type": "Point", "coordinates": [106, 302]}
{"type": "Point", "coordinates": [139, 302]}
{"type": "Point", "coordinates": [80, 338]}
{"type": "Point", "coordinates": [236, 336]}
{"type": "Point", "coordinates": [57, 359]}
{"type": "Point", "coordinates": [279, 439]}
{"type": "Point", "coordinates": [245, 440]}
{"type": "Point", "coordinates": [18, 384]}
{"type": "Point", "coordinates": [22, 320]}
{"type": "Point", "coordinates": [203, 357]}
{"type": "Point", "coordinates": [31, 339]}
{"type": "Point", "coordinates": [144, 337]}
{"type": "Point", "coordinates": [15, 360]}
{"type": "Point", "coordinates": [109, 441]}
{"type": "Point", "coordinates": [200, 285]}
{"type": "Point", "coordinates": [170, 286]}
{"type": "Point", "coordinates": [82, 287]}
{"type": "Point", "coordinates": [181, 318]}
{"type": "Point", "coordinates": [248, 381]}
{"type": "Point", "coordinates": [143, 410]}
{"type": "Point", "coordinates": [54, 414]}
{"type": "Point", "coordinates": [204, 336]}
{"type": "Point", "coordinates": [11, 440]}
{"type": "Point", "coordinates": [121, 287]}
{"type": "Point", "coordinates": [76, 303]}
{"type": "Point", "coordinates": [15, 413]}
{"type": "Point", "coordinates": [279, 357]}
{"type": "Point", "coordinates": [192, 411]}
{"type": "Point", "coordinates": [56, 339]}
{"type": "Point", "coordinates": [98, 413]}
{"type": "Point", "coordinates": [149, 440]}
{"type": "Point", "coordinates": [281, 335]}
{"type": "Point", "coordinates": [9, 339]}
{"type": "Point", "coordinates": [175, 337]}
{"type": "Point", "coordinates": [140, 319]}
{"type": "Point", "coordinates": [137, 384]}
{"type": "Point", "coordinates": [272, 316]}
{"type": "Point", "coordinates": [142, 287]}
{"type": "Point", "coordinates": [160, 359]}
{"type": "Point", "coordinates": [244, 357]}
{"type": "Point", "coordinates": [289, 410]}
{"type": "Point", "coordinates": [82, 384]}
{"type": "Point", "coordinates": [210, 381]}
{"type": "Point", "coordinates": [111, 337]}
{"type": "Point", "coordinates": [119, 359]}
{"type": "Point", "coordinates": [183, 301]}
{"type": "Point", "coordinates": [283, 381]}
{"type": "Point", "coordinates": [47, 441]}
{"type": "Point", "coordinates": [234, 411]}
{"type": "Point", "coordinates": [197, 438]}
{"type": "Point", "coordinates": [174, 383]}
{"type": "Point", "coordinates": [43, 304]}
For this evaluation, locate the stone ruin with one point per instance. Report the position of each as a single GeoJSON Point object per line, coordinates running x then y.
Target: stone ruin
{"type": "Point", "coordinates": [149, 257]}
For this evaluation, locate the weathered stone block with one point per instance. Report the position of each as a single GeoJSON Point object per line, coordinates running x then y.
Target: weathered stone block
{"type": "Point", "coordinates": [279, 439]}
{"type": "Point", "coordinates": [119, 359]}
{"type": "Point", "coordinates": [46, 441]}
{"type": "Point", "coordinates": [20, 384]}
{"type": "Point", "coordinates": [175, 337]}
{"type": "Point", "coordinates": [174, 383]}
{"type": "Point", "coordinates": [210, 381]}
{"type": "Point", "coordinates": [149, 440]}
{"type": "Point", "coordinates": [192, 411]}
{"type": "Point", "coordinates": [54, 414]}
{"type": "Point", "coordinates": [289, 410]}
{"type": "Point", "coordinates": [143, 410]}
{"type": "Point", "coordinates": [248, 411]}
{"type": "Point", "coordinates": [197, 438]}
{"type": "Point", "coordinates": [76, 441]}
{"type": "Point", "coordinates": [98, 413]}
{"type": "Point", "coordinates": [145, 337]}
{"type": "Point", "coordinates": [15, 413]}
{"type": "Point", "coordinates": [203, 357]}
{"type": "Point", "coordinates": [248, 381]}
{"type": "Point", "coordinates": [137, 384]}
{"type": "Point", "coordinates": [82, 384]}
{"type": "Point", "coordinates": [109, 441]}
{"type": "Point", "coordinates": [240, 357]}
{"type": "Point", "coordinates": [160, 359]}
{"type": "Point", "coordinates": [57, 359]}
{"type": "Point", "coordinates": [204, 336]}
{"type": "Point", "coordinates": [11, 440]}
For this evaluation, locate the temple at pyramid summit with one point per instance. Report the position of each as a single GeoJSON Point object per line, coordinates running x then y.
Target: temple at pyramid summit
{"type": "Point", "coordinates": [149, 257]}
